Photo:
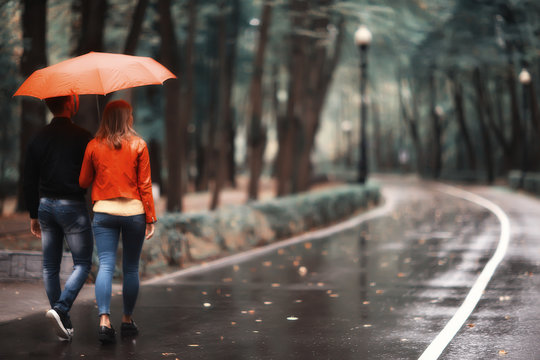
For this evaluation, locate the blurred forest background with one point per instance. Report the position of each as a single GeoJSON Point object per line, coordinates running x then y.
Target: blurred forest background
{"type": "Point", "coordinates": [272, 88]}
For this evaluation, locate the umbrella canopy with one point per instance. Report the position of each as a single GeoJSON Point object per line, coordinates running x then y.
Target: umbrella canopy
{"type": "Point", "coordinates": [94, 73]}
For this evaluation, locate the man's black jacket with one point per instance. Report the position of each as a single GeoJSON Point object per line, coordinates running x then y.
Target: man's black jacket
{"type": "Point", "coordinates": [53, 163]}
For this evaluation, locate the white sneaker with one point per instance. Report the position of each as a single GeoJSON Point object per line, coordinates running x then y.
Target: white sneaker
{"type": "Point", "coordinates": [63, 332]}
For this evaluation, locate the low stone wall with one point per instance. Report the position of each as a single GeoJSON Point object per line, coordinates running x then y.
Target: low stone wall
{"type": "Point", "coordinates": [530, 182]}
{"type": "Point", "coordinates": [182, 237]}
{"type": "Point", "coordinates": [195, 237]}
{"type": "Point", "coordinates": [29, 265]}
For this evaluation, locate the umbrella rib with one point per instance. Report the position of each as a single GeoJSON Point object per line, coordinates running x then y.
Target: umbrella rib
{"type": "Point", "coordinates": [101, 81]}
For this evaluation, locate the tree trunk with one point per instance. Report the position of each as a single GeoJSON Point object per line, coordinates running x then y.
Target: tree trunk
{"type": "Point", "coordinates": [34, 57]}
{"type": "Point", "coordinates": [136, 26]}
{"type": "Point", "coordinates": [420, 158]}
{"type": "Point", "coordinates": [188, 88]}
{"type": "Point", "coordinates": [296, 90]}
{"type": "Point", "coordinates": [515, 114]}
{"type": "Point", "coordinates": [230, 128]}
{"type": "Point", "coordinates": [436, 127]}
{"type": "Point", "coordinates": [281, 122]}
{"type": "Point", "coordinates": [210, 152]}
{"type": "Point", "coordinates": [205, 125]}
{"type": "Point", "coordinates": [154, 150]}
{"type": "Point", "coordinates": [226, 64]}
{"type": "Point", "coordinates": [173, 130]}
{"type": "Point", "coordinates": [411, 121]}
{"type": "Point", "coordinates": [480, 105]}
{"type": "Point", "coordinates": [535, 112]}
{"type": "Point", "coordinates": [497, 125]}
{"type": "Point", "coordinates": [257, 133]}
{"type": "Point", "coordinates": [320, 71]}
{"type": "Point", "coordinates": [457, 92]}
{"type": "Point", "coordinates": [535, 120]}
{"type": "Point", "coordinates": [130, 47]}
{"type": "Point", "coordinates": [93, 14]}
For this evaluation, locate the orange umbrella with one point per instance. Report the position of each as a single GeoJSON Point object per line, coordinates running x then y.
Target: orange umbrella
{"type": "Point", "coordinates": [94, 73]}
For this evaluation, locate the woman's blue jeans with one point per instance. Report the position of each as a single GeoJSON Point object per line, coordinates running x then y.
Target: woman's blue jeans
{"type": "Point", "coordinates": [58, 219]}
{"type": "Point", "coordinates": [107, 229]}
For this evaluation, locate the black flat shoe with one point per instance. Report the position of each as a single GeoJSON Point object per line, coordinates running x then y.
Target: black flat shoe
{"type": "Point", "coordinates": [129, 329]}
{"type": "Point", "coordinates": [106, 335]}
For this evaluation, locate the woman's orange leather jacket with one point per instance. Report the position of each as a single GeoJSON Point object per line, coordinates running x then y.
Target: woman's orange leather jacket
{"type": "Point", "coordinates": [115, 173]}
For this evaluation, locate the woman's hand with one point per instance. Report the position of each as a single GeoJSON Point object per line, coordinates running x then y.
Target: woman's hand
{"type": "Point", "coordinates": [149, 231]}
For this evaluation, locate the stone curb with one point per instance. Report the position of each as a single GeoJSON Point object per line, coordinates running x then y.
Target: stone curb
{"type": "Point", "coordinates": [29, 265]}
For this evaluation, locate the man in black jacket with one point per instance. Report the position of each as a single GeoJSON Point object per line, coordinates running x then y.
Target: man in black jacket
{"type": "Point", "coordinates": [57, 206]}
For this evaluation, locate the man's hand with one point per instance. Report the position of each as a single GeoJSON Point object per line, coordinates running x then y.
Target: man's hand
{"type": "Point", "coordinates": [35, 228]}
{"type": "Point", "coordinates": [149, 231]}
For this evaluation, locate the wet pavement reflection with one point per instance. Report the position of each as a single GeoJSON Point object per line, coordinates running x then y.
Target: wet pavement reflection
{"type": "Point", "coordinates": [382, 290]}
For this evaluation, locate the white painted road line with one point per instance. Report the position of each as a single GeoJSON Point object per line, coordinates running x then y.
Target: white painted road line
{"type": "Point", "coordinates": [437, 346]}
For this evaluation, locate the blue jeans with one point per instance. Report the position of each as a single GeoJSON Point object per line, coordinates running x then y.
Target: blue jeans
{"type": "Point", "coordinates": [107, 229]}
{"type": "Point", "coordinates": [58, 219]}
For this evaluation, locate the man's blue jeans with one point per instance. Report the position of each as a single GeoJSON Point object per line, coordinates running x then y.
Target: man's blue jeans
{"type": "Point", "coordinates": [58, 219]}
{"type": "Point", "coordinates": [107, 230]}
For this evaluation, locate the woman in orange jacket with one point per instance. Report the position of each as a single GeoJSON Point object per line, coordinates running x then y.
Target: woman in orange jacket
{"type": "Point", "coordinates": [117, 165]}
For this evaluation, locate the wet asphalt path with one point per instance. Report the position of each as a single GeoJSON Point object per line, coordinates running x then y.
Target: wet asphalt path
{"type": "Point", "coordinates": [381, 290]}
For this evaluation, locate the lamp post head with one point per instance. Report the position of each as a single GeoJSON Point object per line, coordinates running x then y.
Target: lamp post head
{"type": "Point", "coordinates": [346, 126]}
{"type": "Point", "coordinates": [439, 111]}
{"type": "Point", "coordinates": [362, 36]}
{"type": "Point", "coordinates": [524, 77]}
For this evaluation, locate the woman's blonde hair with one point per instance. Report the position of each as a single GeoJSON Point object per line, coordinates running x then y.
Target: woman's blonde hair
{"type": "Point", "coordinates": [116, 124]}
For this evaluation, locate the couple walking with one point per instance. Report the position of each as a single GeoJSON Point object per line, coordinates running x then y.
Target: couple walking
{"type": "Point", "coordinates": [62, 161]}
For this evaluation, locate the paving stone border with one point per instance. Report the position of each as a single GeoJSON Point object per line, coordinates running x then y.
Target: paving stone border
{"type": "Point", "coordinates": [29, 265]}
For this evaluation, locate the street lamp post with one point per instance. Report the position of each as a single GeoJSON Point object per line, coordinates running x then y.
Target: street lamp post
{"type": "Point", "coordinates": [525, 80]}
{"type": "Point", "coordinates": [346, 126]}
{"type": "Point", "coordinates": [362, 38]}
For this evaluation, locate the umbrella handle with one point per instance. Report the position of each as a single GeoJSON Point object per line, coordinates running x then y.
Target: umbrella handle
{"type": "Point", "coordinates": [98, 112]}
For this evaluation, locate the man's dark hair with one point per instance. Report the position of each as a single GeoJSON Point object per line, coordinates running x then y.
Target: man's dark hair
{"type": "Point", "coordinates": [57, 104]}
